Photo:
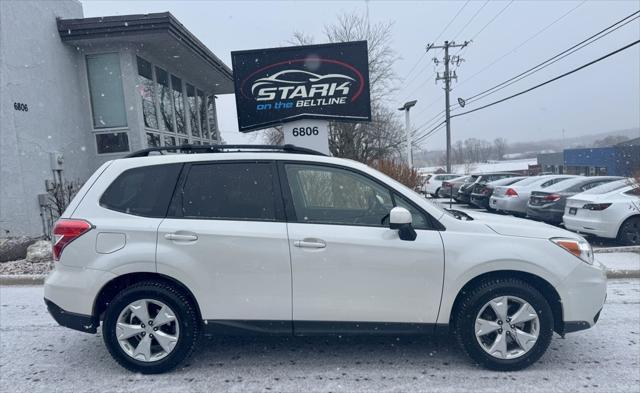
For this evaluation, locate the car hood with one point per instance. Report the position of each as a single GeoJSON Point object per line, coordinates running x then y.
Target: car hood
{"type": "Point", "coordinates": [520, 227]}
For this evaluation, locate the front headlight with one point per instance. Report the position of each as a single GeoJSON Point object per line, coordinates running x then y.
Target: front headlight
{"type": "Point", "coordinates": [580, 248]}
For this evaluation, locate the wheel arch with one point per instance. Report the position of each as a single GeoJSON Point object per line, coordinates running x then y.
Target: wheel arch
{"type": "Point", "coordinates": [113, 287]}
{"type": "Point", "coordinates": [631, 217]}
{"type": "Point", "coordinates": [543, 286]}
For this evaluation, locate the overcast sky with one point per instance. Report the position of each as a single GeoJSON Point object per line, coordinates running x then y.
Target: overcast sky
{"type": "Point", "coordinates": [601, 98]}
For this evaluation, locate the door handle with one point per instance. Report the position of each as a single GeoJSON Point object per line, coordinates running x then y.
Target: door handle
{"type": "Point", "coordinates": [310, 243]}
{"type": "Point", "coordinates": [184, 237]}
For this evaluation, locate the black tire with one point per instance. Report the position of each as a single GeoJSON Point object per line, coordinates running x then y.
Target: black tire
{"type": "Point", "coordinates": [476, 297]}
{"type": "Point", "coordinates": [186, 314]}
{"type": "Point", "coordinates": [629, 232]}
{"type": "Point", "coordinates": [437, 194]}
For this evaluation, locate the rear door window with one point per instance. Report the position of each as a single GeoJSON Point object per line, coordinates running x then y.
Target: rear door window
{"type": "Point", "coordinates": [229, 191]}
{"type": "Point", "coordinates": [143, 191]}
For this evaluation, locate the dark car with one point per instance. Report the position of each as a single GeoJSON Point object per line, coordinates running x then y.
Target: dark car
{"type": "Point", "coordinates": [450, 188]}
{"type": "Point", "coordinates": [464, 193]}
{"type": "Point", "coordinates": [482, 192]}
{"type": "Point", "coordinates": [548, 205]}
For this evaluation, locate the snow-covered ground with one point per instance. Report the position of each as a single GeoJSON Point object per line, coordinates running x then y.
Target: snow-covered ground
{"type": "Point", "coordinates": [619, 260]}
{"type": "Point", "coordinates": [483, 167]}
{"type": "Point", "coordinates": [36, 355]}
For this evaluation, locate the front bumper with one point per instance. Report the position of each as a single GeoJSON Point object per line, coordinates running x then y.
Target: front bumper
{"type": "Point", "coordinates": [80, 322]}
{"type": "Point", "coordinates": [584, 294]}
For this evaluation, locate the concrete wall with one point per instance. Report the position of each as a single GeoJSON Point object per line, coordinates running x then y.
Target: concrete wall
{"type": "Point", "coordinates": [37, 69]}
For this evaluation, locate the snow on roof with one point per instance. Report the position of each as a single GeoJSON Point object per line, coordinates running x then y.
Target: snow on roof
{"type": "Point", "coordinates": [491, 166]}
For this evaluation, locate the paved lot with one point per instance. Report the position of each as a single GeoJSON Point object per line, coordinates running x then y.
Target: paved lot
{"type": "Point", "coordinates": [36, 355]}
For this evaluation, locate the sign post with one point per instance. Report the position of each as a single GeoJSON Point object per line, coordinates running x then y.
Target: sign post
{"type": "Point", "coordinates": [302, 88]}
{"type": "Point", "coordinates": [312, 134]}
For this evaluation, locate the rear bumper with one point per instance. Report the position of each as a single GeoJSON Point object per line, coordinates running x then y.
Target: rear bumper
{"type": "Point", "coordinates": [545, 214]}
{"type": "Point", "coordinates": [592, 227]}
{"type": "Point", "coordinates": [480, 201]}
{"type": "Point", "coordinates": [508, 204]}
{"type": "Point", "coordinates": [80, 322]}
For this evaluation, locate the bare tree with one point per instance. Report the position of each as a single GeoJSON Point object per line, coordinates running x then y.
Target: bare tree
{"type": "Point", "coordinates": [383, 137]}
{"type": "Point", "coordinates": [499, 148]}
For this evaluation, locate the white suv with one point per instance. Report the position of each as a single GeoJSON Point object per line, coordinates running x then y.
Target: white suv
{"type": "Point", "coordinates": [163, 248]}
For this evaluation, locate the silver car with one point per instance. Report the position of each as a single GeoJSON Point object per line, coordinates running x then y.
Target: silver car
{"type": "Point", "coordinates": [513, 199]}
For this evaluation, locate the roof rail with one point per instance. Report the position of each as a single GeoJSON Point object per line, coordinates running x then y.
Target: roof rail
{"type": "Point", "coordinates": [192, 149]}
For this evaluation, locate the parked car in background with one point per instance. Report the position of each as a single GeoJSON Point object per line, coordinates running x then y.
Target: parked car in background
{"type": "Point", "coordinates": [548, 205]}
{"type": "Point", "coordinates": [513, 199]}
{"type": "Point", "coordinates": [424, 178]}
{"type": "Point", "coordinates": [434, 183]}
{"type": "Point", "coordinates": [482, 191]}
{"type": "Point", "coordinates": [464, 193]}
{"type": "Point", "coordinates": [450, 188]}
{"type": "Point", "coordinates": [611, 210]}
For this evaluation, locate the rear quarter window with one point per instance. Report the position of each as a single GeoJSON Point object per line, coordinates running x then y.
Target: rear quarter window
{"type": "Point", "coordinates": [144, 191]}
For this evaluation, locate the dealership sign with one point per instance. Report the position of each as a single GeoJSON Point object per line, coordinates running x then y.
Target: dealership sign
{"type": "Point", "coordinates": [278, 85]}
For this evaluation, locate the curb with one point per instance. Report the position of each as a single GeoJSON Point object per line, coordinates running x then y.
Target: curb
{"type": "Point", "coordinates": [38, 279]}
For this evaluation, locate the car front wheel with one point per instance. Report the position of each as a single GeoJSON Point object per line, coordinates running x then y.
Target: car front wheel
{"type": "Point", "coordinates": [504, 324]}
{"type": "Point", "coordinates": [150, 327]}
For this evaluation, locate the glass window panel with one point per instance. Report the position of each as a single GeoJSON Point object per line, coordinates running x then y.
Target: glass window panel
{"type": "Point", "coordinates": [232, 191]}
{"type": "Point", "coordinates": [211, 116]}
{"type": "Point", "coordinates": [183, 141]}
{"type": "Point", "coordinates": [166, 107]}
{"type": "Point", "coordinates": [178, 102]}
{"type": "Point", "coordinates": [169, 140]}
{"type": "Point", "coordinates": [112, 142]}
{"type": "Point", "coordinates": [337, 196]}
{"type": "Point", "coordinates": [105, 88]}
{"type": "Point", "coordinates": [147, 93]}
{"type": "Point", "coordinates": [202, 105]}
{"type": "Point", "coordinates": [153, 139]}
{"type": "Point", "coordinates": [193, 111]}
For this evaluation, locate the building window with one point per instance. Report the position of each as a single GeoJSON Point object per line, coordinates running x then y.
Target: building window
{"type": "Point", "coordinates": [178, 102]}
{"type": "Point", "coordinates": [112, 142]}
{"type": "Point", "coordinates": [166, 108]}
{"type": "Point", "coordinates": [169, 140]}
{"type": "Point", "coordinates": [153, 139]}
{"type": "Point", "coordinates": [147, 94]}
{"type": "Point", "coordinates": [202, 105]}
{"type": "Point", "coordinates": [211, 116]}
{"type": "Point", "coordinates": [193, 111]}
{"type": "Point", "coordinates": [105, 88]}
{"type": "Point", "coordinates": [183, 141]}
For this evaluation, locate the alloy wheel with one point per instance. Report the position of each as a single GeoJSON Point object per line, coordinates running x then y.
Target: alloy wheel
{"type": "Point", "coordinates": [507, 327]}
{"type": "Point", "coordinates": [147, 330]}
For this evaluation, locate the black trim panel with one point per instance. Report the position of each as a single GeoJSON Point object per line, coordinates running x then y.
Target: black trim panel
{"type": "Point", "coordinates": [575, 326]}
{"type": "Point", "coordinates": [312, 328]}
{"type": "Point", "coordinates": [80, 322]}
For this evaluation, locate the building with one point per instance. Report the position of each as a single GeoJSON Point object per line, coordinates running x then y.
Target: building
{"type": "Point", "coordinates": [622, 159]}
{"type": "Point", "coordinates": [76, 92]}
{"type": "Point", "coordinates": [551, 162]}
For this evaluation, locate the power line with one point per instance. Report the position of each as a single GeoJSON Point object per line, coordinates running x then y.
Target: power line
{"type": "Point", "coordinates": [588, 41]}
{"type": "Point", "coordinates": [451, 21]}
{"type": "Point", "coordinates": [455, 37]}
{"type": "Point", "coordinates": [430, 132]}
{"type": "Point", "coordinates": [551, 80]}
{"type": "Point", "coordinates": [492, 19]}
{"type": "Point", "coordinates": [523, 43]}
{"type": "Point", "coordinates": [407, 80]}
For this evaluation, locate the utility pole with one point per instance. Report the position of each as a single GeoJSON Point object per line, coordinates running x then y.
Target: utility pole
{"type": "Point", "coordinates": [447, 75]}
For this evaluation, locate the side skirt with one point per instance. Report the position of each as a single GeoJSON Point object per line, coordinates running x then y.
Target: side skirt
{"type": "Point", "coordinates": [318, 328]}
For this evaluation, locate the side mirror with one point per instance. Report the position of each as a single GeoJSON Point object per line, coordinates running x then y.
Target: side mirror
{"type": "Point", "coordinates": [400, 219]}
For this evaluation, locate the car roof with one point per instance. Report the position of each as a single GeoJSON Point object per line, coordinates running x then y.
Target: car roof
{"type": "Point", "coordinates": [563, 185]}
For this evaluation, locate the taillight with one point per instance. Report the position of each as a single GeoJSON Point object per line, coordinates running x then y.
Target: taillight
{"type": "Point", "coordinates": [67, 231]}
{"type": "Point", "coordinates": [596, 206]}
{"type": "Point", "coordinates": [511, 193]}
{"type": "Point", "coordinates": [551, 197]}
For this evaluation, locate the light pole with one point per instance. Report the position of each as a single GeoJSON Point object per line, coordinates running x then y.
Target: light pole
{"type": "Point", "coordinates": [406, 107]}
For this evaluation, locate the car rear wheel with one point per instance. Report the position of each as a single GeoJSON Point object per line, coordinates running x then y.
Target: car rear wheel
{"type": "Point", "coordinates": [150, 327]}
{"type": "Point", "coordinates": [437, 193]}
{"type": "Point", "coordinates": [629, 233]}
{"type": "Point", "coordinates": [504, 324]}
